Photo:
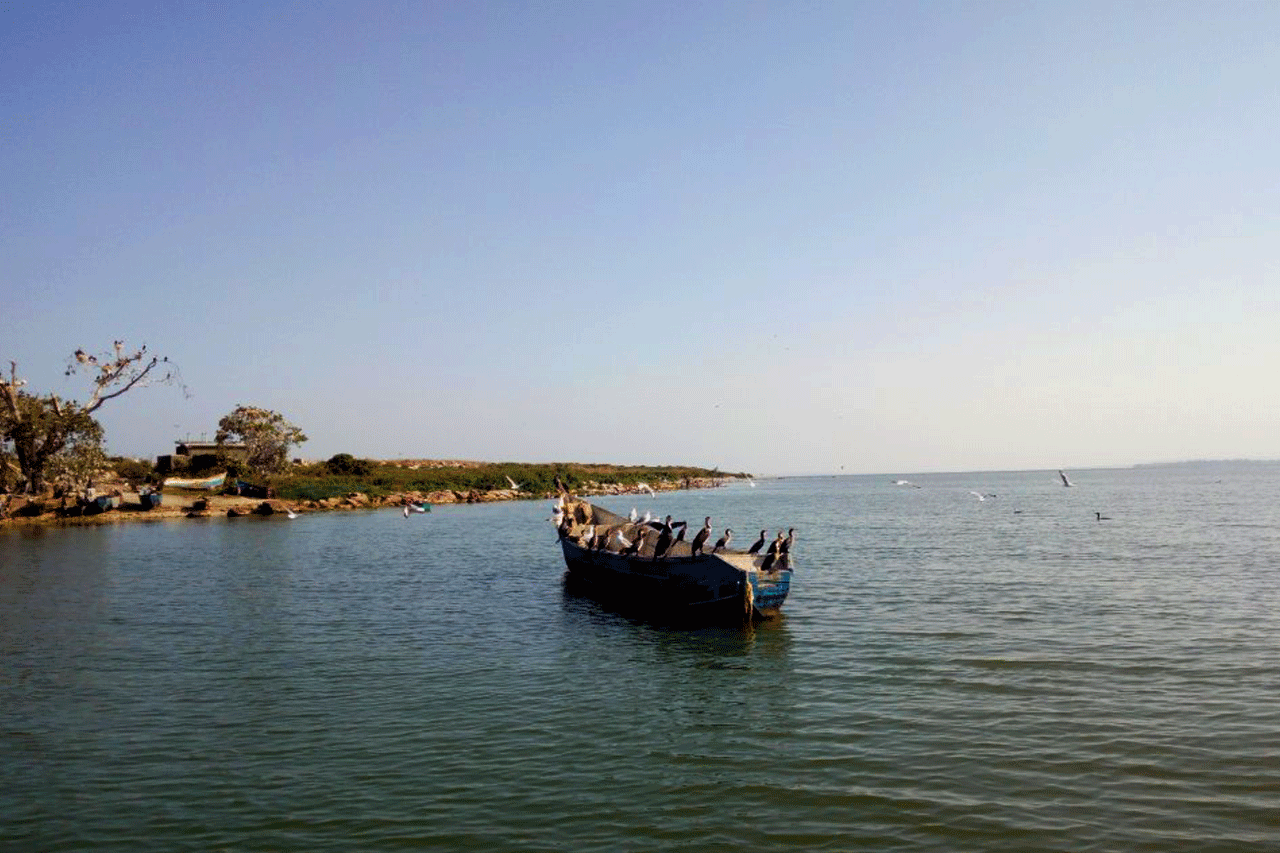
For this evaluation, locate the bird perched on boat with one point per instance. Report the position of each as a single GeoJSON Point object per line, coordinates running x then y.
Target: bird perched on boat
{"type": "Point", "coordinates": [634, 516]}
{"type": "Point", "coordinates": [587, 536]}
{"type": "Point", "coordinates": [658, 525]}
{"type": "Point", "coordinates": [622, 540]}
{"type": "Point", "coordinates": [759, 543]}
{"type": "Point", "coordinates": [771, 556]}
{"type": "Point", "coordinates": [680, 534]}
{"type": "Point", "coordinates": [664, 540]}
{"type": "Point", "coordinates": [700, 540]}
{"type": "Point", "coordinates": [785, 547]}
{"type": "Point", "coordinates": [723, 541]}
{"type": "Point", "coordinates": [633, 548]}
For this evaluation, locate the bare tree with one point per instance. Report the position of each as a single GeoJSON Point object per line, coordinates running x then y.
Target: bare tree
{"type": "Point", "coordinates": [38, 427]}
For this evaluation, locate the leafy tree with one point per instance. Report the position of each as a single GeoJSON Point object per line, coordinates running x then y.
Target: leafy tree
{"type": "Point", "coordinates": [265, 434]}
{"type": "Point", "coordinates": [135, 470]}
{"type": "Point", "coordinates": [346, 464]}
{"type": "Point", "coordinates": [75, 466]}
{"type": "Point", "coordinates": [35, 429]}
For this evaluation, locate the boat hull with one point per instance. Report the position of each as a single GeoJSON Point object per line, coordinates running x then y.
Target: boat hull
{"type": "Point", "coordinates": [706, 589]}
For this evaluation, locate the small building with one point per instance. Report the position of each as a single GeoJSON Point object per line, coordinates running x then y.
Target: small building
{"type": "Point", "coordinates": [191, 455]}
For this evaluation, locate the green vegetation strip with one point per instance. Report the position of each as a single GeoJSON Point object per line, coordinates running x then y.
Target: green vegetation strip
{"type": "Point", "coordinates": [344, 474]}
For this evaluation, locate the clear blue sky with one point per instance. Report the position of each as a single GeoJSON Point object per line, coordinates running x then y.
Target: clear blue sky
{"type": "Point", "coordinates": [775, 237]}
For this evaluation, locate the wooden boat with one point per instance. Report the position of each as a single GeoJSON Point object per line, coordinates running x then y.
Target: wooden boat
{"type": "Point", "coordinates": [206, 484]}
{"type": "Point", "coordinates": [725, 587]}
{"type": "Point", "coordinates": [105, 503]}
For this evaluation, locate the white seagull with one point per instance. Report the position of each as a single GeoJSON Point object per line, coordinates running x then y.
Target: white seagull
{"type": "Point", "coordinates": [290, 513]}
{"type": "Point", "coordinates": [645, 487]}
{"type": "Point", "coordinates": [978, 496]}
{"type": "Point", "coordinates": [514, 485]}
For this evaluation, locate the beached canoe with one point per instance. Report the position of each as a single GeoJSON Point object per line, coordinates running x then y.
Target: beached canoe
{"type": "Point", "coordinates": [207, 484]}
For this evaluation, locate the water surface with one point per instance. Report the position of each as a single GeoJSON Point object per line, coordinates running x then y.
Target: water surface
{"type": "Point", "coordinates": [951, 674]}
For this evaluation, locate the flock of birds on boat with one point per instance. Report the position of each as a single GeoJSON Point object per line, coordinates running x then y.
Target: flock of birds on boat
{"type": "Point", "coordinates": [669, 532]}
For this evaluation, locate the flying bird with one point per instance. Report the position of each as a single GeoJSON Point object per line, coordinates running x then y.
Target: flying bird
{"type": "Point", "coordinates": [514, 485]}
{"type": "Point", "coordinates": [290, 513]}
{"type": "Point", "coordinates": [978, 496]}
{"type": "Point", "coordinates": [645, 487]}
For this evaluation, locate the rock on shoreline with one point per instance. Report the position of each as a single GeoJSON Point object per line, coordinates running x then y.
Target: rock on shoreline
{"type": "Point", "coordinates": [176, 504]}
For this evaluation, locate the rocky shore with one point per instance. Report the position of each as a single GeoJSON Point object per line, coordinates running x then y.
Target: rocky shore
{"type": "Point", "coordinates": [177, 504]}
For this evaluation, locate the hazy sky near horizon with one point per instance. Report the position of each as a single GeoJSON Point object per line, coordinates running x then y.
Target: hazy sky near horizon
{"type": "Point", "coordinates": [774, 237]}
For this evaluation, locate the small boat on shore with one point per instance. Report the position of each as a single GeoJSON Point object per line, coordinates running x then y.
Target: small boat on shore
{"type": "Point", "coordinates": [105, 503]}
{"type": "Point", "coordinates": [207, 484]}
{"type": "Point", "coordinates": [611, 559]}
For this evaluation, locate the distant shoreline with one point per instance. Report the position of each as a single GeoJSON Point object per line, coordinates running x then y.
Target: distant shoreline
{"type": "Point", "coordinates": [183, 504]}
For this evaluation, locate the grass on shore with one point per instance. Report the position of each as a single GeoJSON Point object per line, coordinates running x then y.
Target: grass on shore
{"type": "Point", "coordinates": [319, 481]}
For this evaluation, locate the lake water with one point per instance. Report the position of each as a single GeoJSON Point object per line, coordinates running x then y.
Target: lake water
{"type": "Point", "coordinates": [950, 675]}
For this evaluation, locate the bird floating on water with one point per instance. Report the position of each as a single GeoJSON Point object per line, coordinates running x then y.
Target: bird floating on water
{"type": "Point", "coordinates": [1102, 517]}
